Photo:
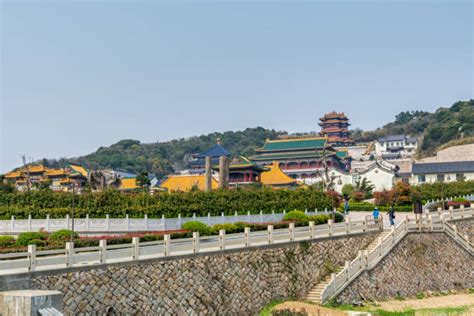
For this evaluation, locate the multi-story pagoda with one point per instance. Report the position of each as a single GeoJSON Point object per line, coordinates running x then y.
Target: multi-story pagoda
{"type": "Point", "coordinates": [335, 126]}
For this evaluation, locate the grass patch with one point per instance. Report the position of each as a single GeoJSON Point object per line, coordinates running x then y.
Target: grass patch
{"type": "Point", "coordinates": [267, 310]}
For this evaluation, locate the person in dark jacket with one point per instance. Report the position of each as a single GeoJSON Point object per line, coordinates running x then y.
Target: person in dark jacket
{"type": "Point", "coordinates": [391, 215]}
{"type": "Point", "coordinates": [418, 210]}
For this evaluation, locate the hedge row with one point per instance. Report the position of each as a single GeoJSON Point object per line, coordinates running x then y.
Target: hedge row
{"type": "Point", "coordinates": [58, 204]}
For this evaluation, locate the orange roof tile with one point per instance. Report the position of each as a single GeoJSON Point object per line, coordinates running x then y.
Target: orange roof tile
{"type": "Point", "coordinates": [276, 177]}
{"type": "Point", "coordinates": [186, 182]}
{"type": "Point", "coordinates": [128, 184]}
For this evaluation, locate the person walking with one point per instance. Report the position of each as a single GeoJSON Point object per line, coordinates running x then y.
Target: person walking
{"type": "Point", "coordinates": [376, 214]}
{"type": "Point", "coordinates": [418, 210]}
{"type": "Point", "coordinates": [391, 215]}
{"type": "Point", "coordinates": [346, 204]}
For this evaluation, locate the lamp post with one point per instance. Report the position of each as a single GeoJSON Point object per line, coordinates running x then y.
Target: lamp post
{"type": "Point", "coordinates": [72, 210]}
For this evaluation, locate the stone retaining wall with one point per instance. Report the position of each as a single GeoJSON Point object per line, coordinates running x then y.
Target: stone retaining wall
{"type": "Point", "coordinates": [465, 227]}
{"type": "Point", "coordinates": [420, 262]}
{"type": "Point", "coordinates": [230, 282]}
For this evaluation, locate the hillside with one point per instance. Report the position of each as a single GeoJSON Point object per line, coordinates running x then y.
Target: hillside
{"type": "Point", "coordinates": [162, 158]}
{"type": "Point", "coordinates": [446, 125]}
{"type": "Point", "coordinates": [434, 129]}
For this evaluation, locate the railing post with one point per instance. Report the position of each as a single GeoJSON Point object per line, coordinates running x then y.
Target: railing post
{"type": "Point", "coordinates": [145, 219]}
{"type": "Point", "coordinates": [180, 221]}
{"type": "Point", "coordinates": [346, 267]}
{"type": "Point", "coordinates": [12, 223]}
{"type": "Point", "coordinates": [31, 258]}
{"type": "Point", "coordinates": [107, 222]}
{"type": "Point", "coordinates": [455, 232]}
{"type": "Point", "coordinates": [222, 217]}
{"type": "Point", "coordinates": [261, 216]}
{"type": "Point", "coordinates": [209, 219]}
{"type": "Point", "coordinates": [222, 239]}
{"type": "Point", "coordinates": [247, 236]}
{"type": "Point", "coordinates": [135, 248]}
{"type": "Point", "coordinates": [163, 221]}
{"type": "Point", "coordinates": [127, 222]}
{"type": "Point", "coordinates": [451, 209]}
{"type": "Point", "coordinates": [462, 211]}
{"type": "Point", "coordinates": [311, 230]}
{"type": "Point", "coordinates": [364, 223]}
{"type": "Point", "coordinates": [273, 216]}
{"type": "Point", "coordinates": [67, 221]}
{"type": "Point", "coordinates": [366, 258]}
{"type": "Point", "coordinates": [195, 242]}
{"type": "Point", "coordinates": [167, 244]}
{"type": "Point", "coordinates": [380, 246]}
{"type": "Point", "coordinates": [69, 254]}
{"type": "Point", "coordinates": [194, 216]}
{"type": "Point", "coordinates": [392, 233]}
{"type": "Point", "coordinates": [29, 223]}
{"type": "Point", "coordinates": [103, 251]}
{"type": "Point", "coordinates": [291, 230]}
{"type": "Point", "coordinates": [47, 224]}
{"type": "Point", "coordinates": [248, 216]}
{"type": "Point", "coordinates": [86, 223]}
{"type": "Point", "coordinates": [270, 234]}
{"type": "Point", "coordinates": [330, 227]}
{"type": "Point", "coordinates": [348, 224]}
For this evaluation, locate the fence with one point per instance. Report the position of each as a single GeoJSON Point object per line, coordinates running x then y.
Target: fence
{"type": "Point", "coordinates": [127, 224]}
{"type": "Point", "coordinates": [366, 260]}
{"type": "Point", "coordinates": [32, 259]}
{"type": "Point", "coordinates": [469, 197]}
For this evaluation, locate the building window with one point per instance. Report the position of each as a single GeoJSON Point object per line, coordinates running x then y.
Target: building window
{"type": "Point", "coordinates": [459, 176]}
{"type": "Point", "coordinates": [422, 178]}
{"type": "Point", "coordinates": [440, 177]}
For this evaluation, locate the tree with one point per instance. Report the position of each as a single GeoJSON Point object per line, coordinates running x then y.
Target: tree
{"type": "Point", "coordinates": [365, 186]}
{"type": "Point", "coordinates": [347, 189]}
{"type": "Point", "coordinates": [142, 180]}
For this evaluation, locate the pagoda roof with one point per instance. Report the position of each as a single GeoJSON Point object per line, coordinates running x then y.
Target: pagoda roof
{"type": "Point", "coordinates": [333, 115]}
{"type": "Point", "coordinates": [293, 144]}
{"type": "Point", "coordinates": [55, 172]}
{"type": "Point", "coordinates": [79, 169]}
{"type": "Point", "coordinates": [12, 175]}
{"type": "Point", "coordinates": [342, 153]}
{"type": "Point", "coordinates": [276, 177]}
{"type": "Point", "coordinates": [186, 182]}
{"type": "Point", "coordinates": [215, 151]}
{"type": "Point", "coordinates": [335, 121]}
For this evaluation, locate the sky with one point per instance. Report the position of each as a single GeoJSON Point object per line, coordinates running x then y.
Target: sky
{"type": "Point", "coordinates": [77, 75]}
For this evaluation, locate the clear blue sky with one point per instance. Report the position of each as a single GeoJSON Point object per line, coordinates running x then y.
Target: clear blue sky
{"type": "Point", "coordinates": [83, 74]}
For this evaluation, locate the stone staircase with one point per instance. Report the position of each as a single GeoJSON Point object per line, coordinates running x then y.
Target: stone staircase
{"type": "Point", "coordinates": [315, 294]}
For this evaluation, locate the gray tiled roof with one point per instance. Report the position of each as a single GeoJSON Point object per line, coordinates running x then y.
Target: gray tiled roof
{"type": "Point", "coordinates": [443, 167]}
{"type": "Point", "coordinates": [392, 138]}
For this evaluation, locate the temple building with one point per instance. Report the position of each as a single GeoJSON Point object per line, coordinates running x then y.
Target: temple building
{"type": "Point", "coordinates": [37, 176]}
{"type": "Point", "coordinates": [198, 161]}
{"type": "Point", "coordinates": [335, 126]}
{"type": "Point", "coordinates": [186, 183]}
{"type": "Point", "coordinates": [301, 158]}
{"type": "Point", "coordinates": [242, 171]}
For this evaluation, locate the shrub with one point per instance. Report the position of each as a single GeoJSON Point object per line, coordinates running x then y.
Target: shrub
{"type": "Point", "coordinates": [30, 238]}
{"type": "Point", "coordinates": [357, 196]}
{"type": "Point", "coordinates": [196, 226]}
{"type": "Point", "coordinates": [319, 219]}
{"type": "Point", "coordinates": [347, 189]}
{"type": "Point", "coordinates": [228, 227]}
{"type": "Point", "coordinates": [296, 216]}
{"type": "Point", "coordinates": [63, 234]}
{"type": "Point", "coordinates": [6, 241]}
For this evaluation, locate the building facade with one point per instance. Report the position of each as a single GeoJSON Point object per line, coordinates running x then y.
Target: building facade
{"type": "Point", "coordinates": [396, 147]}
{"type": "Point", "coordinates": [430, 172]}
{"type": "Point", "coordinates": [301, 158]}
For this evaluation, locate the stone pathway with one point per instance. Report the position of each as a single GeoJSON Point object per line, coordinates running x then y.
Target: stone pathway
{"type": "Point", "coordinates": [455, 300]}
{"type": "Point", "coordinates": [399, 216]}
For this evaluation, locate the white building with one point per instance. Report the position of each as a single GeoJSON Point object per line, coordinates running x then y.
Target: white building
{"type": "Point", "coordinates": [380, 173]}
{"type": "Point", "coordinates": [395, 146]}
{"type": "Point", "coordinates": [429, 172]}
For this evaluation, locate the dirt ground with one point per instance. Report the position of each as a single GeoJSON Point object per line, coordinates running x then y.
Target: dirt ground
{"type": "Point", "coordinates": [310, 309]}
{"type": "Point", "coordinates": [455, 300]}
